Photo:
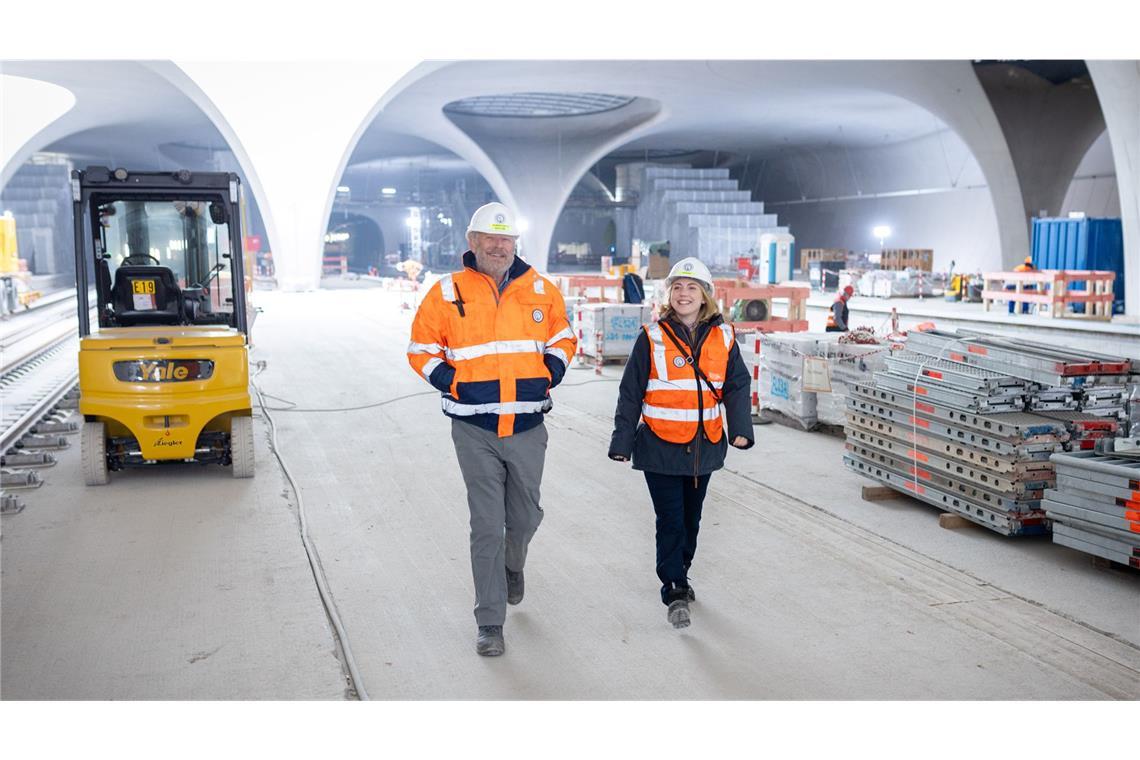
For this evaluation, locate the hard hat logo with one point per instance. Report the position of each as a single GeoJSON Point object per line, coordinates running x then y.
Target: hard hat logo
{"type": "Point", "coordinates": [493, 219]}
{"type": "Point", "coordinates": [694, 269]}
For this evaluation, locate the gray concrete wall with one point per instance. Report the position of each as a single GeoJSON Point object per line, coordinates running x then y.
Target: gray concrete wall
{"type": "Point", "coordinates": [1118, 87]}
{"type": "Point", "coordinates": [959, 226]}
{"type": "Point", "coordinates": [930, 192]}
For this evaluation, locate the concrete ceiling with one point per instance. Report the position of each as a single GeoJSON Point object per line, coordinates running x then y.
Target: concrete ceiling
{"type": "Point", "coordinates": [733, 106]}
{"type": "Point", "coordinates": [125, 114]}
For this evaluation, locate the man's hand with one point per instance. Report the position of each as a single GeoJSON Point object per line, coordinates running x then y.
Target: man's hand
{"type": "Point", "coordinates": [619, 458]}
{"type": "Point", "coordinates": [739, 441]}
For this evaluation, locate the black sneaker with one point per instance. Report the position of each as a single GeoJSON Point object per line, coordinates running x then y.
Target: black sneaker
{"type": "Point", "coordinates": [514, 586]}
{"type": "Point", "coordinates": [678, 613]}
{"type": "Point", "coordinates": [489, 642]}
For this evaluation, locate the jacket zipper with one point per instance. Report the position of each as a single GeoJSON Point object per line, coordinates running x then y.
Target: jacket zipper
{"type": "Point", "coordinates": [700, 410]}
{"type": "Point", "coordinates": [696, 353]}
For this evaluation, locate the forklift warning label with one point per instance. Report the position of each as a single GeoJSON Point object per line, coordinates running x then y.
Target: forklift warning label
{"type": "Point", "coordinates": [143, 292]}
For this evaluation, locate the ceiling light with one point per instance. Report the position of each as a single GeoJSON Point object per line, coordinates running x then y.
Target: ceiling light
{"type": "Point", "coordinates": [388, 191]}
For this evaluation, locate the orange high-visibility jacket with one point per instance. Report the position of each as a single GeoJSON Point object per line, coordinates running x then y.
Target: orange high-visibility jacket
{"type": "Point", "coordinates": [494, 356]}
{"type": "Point", "coordinates": [676, 397]}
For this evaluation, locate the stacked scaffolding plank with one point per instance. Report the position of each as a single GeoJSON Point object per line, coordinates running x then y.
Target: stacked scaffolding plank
{"type": "Point", "coordinates": [968, 422]}
{"type": "Point", "coordinates": [1095, 506]}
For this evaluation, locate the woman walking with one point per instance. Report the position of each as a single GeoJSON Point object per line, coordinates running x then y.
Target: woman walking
{"type": "Point", "coordinates": [680, 373]}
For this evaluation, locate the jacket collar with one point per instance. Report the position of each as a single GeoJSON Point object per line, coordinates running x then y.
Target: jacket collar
{"type": "Point", "coordinates": [698, 333]}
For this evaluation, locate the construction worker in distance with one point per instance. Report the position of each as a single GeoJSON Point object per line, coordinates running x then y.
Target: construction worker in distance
{"type": "Point", "coordinates": [682, 369]}
{"type": "Point", "coordinates": [1025, 266]}
{"type": "Point", "coordinates": [838, 318]}
{"type": "Point", "coordinates": [493, 338]}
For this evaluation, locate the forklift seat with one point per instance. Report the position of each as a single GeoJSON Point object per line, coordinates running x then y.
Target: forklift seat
{"type": "Point", "coordinates": [157, 299]}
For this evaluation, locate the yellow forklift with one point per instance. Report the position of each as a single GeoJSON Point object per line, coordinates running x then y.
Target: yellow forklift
{"type": "Point", "coordinates": [165, 377]}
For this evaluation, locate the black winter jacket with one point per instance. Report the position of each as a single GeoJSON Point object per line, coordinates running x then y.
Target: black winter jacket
{"type": "Point", "coordinates": [701, 456]}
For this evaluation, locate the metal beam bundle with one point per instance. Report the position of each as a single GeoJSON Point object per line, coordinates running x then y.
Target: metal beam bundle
{"type": "Point", "coordinates": [969, 421]}
{"type": "Point", "coordinates": [1044, 364]}
{"type": "Point", "coordinates": [1095, 506]}
{"type": "Point", "coordinates": [993, 472]}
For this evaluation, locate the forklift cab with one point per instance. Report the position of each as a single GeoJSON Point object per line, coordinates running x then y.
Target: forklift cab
{"type": "Point", "coordinates": [164, 376]}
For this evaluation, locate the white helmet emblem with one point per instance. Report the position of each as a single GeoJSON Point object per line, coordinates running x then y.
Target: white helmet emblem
{"type": "Point", "coordinates": [500, 218]}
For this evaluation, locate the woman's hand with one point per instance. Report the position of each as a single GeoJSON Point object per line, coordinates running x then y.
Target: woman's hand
{"type": "Point", "coordinates": [739, 441]}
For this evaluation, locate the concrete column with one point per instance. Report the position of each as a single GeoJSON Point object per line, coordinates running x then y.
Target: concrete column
{"type": "Point", "coordinates": [1118, 87]}
{"type": "Point", "coordinates": [1048, 127]}
{"type": "Point", "coordinates": [291, 126]}
{"type": "Point", "coordinates": [540, 161]}
{"type": "Point", "coordinates": [623, 224]}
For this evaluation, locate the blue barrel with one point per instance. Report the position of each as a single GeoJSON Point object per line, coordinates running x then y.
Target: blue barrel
{"type": "Point", "coordinates": [1082, 244]}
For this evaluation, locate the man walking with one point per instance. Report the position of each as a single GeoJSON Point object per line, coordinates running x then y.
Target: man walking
{"type": "Point", "coordinates": [838, 317]}
{"type": "Point", "coordinates": [493, 338]}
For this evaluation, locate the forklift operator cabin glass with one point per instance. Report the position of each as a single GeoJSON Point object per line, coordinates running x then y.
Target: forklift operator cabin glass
{"type": "Point", "coordinates": [181, 235]}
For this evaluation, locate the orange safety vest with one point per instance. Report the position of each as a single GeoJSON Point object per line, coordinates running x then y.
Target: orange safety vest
{"type": "Point", "coordinates": [831, 312]}
{"type": "Point", "coordinates": [676, 399]}
{"type": "Point", "coordinates": [496, 342]}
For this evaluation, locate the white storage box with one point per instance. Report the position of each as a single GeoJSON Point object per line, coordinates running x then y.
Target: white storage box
{"type": "Point", "coordinates": [619, 324]}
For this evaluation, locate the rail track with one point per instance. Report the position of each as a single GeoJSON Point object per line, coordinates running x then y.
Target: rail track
{"type": "Point", "coordinates": [38, 369]}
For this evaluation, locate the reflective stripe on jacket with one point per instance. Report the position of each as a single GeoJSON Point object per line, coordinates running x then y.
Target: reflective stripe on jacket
{"type": "Point", "coordinates": [494, 356]}
{"type": "Point", "coordinates": [677, 399]}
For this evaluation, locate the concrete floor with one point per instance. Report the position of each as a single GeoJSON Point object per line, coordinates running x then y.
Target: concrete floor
{"type": "Point", "coordinates": [185, 583]}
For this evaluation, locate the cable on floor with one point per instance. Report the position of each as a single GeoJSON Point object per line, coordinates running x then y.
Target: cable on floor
{"type": "Point", "coordinates": [310, 549]}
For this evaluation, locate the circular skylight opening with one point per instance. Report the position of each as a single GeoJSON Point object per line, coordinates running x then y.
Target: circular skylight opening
{"type": "Point", "coordinates": [532, 105]}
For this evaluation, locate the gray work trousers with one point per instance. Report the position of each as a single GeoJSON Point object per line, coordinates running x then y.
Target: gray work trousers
{"type": "Point", "coordinates": [503, 476]}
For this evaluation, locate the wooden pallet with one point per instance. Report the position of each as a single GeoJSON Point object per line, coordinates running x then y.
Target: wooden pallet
{"type": "Point", "coordinates": [1050, 292]}
{"type": "Point", "coordinates": [898, 259]}
{"type": "Point", "coordinates": [808, 255]}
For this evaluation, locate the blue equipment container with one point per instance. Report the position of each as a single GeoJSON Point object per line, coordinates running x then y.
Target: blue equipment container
{"type": "Point", "coordinates": [1091, 244]}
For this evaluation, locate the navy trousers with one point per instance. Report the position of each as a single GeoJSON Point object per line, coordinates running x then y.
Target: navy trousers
{"type": "Point", "coordinates": [677, 500]}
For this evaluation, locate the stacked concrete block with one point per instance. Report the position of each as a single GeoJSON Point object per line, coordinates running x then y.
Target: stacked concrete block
{"type": "Point", "coordinates": [701, 212]}
{"type": "Point", "coordinates": [39, 197]}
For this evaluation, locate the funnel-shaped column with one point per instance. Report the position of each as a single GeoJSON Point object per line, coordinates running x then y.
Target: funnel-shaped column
{"type": "Point", "coordinates": [541, 158]}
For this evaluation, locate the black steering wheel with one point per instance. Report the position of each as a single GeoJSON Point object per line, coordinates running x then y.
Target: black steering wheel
{"type": "Point", "coordinates": [128, 261]}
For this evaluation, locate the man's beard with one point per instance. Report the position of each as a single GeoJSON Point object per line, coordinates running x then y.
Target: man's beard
{"type": "Point", "coordinates": [492, 268]}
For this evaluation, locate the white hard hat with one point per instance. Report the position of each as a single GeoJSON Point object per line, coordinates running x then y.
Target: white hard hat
{"type": "Point", "coordinates": [693, 269]}
{"type": "Point", "coordinates": [494, 219]}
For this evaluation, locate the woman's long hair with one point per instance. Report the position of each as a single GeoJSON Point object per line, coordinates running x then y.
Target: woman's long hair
{"type": "Point", "coordinates": [709, 307]}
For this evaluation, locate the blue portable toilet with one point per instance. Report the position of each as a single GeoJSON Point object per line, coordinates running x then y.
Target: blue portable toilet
{"type": "Point", "coordinates": [1082, 243]}
{"type": "Point", "coordinates": [776, 257]}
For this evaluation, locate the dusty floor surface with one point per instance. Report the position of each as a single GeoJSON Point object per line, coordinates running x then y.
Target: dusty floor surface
{"type": "Point", "coordinates": [184, 583]}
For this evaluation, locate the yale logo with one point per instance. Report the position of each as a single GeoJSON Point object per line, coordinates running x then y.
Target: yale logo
{"type": "Point", "coordinates": [164, 370]}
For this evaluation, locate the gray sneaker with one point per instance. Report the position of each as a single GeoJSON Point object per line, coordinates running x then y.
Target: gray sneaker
{"type": "Point", "coordinates": [514, 586]}
{"type": "Point", "coordinates": [679, 613]}
{"type": "Point", "coordinates": [489, 642]}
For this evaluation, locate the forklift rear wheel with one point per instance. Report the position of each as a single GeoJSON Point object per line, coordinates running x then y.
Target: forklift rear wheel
{"type": "Point", "coordinates": [94, 453]}
{"type": "Point", "coordinates": [241, 446]}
